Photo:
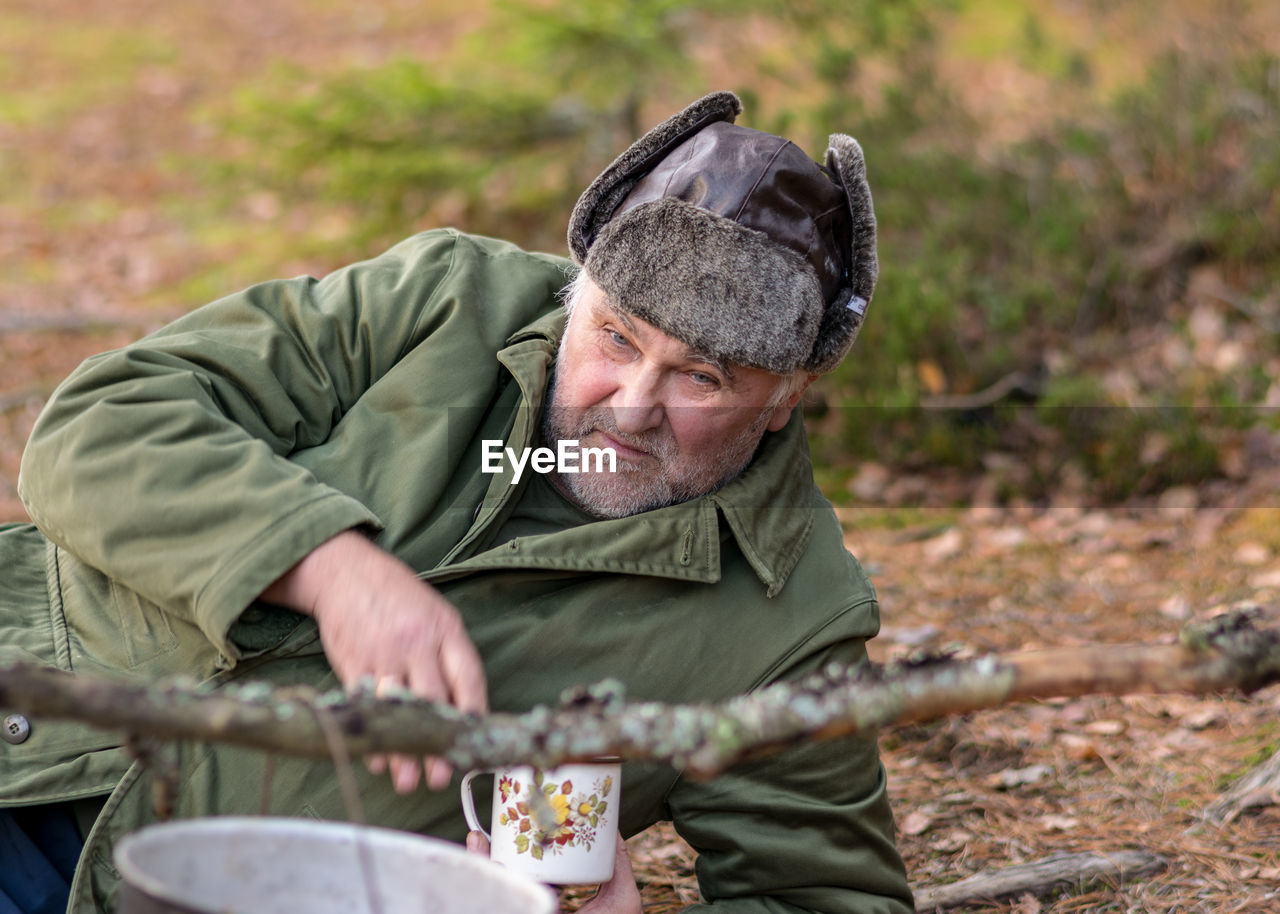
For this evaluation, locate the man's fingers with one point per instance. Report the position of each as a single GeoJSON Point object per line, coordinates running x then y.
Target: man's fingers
{"type": "Point", "coordinates": [405, 770]}
{"type": "Point", "coordinates": [424, 682]}
{"type": "Point", "coordinates": [438, 771]}
{"type": "Point", "coordinates": [619, 895]}
{"type": "Point", "coordinates": [404, 773]}
{"type": "Point", "coordinates": [623, 879]}
{"type": "Point", "coordinates": [425, 651]}
{"type": "Point", "coordinates": [463, 672]}
{"type": "Point", "coordinates": [377, 764]}
{"type": "Point", "coordinates": [477, 843]}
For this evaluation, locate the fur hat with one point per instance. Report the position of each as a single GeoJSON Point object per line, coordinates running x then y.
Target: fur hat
{"type": "Point", "coordinates": [733, 240]}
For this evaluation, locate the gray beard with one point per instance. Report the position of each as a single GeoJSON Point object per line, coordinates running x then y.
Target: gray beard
{"type": "Point", "coordinates": [638, 487]}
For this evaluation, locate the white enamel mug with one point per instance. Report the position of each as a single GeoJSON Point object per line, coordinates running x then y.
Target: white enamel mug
{"type": "Point", "coordinates": [572, 840]}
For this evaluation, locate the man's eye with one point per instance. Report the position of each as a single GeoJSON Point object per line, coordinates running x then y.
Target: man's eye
{"type": "Point", "coordinates": [702, 379]}
{"type": "Point", "coordinates": [618, 339]}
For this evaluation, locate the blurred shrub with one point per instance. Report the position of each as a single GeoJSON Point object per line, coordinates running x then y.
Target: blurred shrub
{"type": "Point", "coordinates": [1049, 261]}
{"type": "Point", "coordinates": [1031, 261]}
{"type": "Point", "coordinates": [394, 142]}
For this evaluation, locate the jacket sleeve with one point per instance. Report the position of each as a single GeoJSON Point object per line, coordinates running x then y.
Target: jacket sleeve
{"type": "Point", "coordinates": [164, 464]}
{"type": "Point", "coordinates": [808, 829]}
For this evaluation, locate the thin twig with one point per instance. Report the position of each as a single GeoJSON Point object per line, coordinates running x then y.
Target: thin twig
{"type": "Point", "coordinates": [1014, 382]}
{"type": "Point", "coordinates": [351, 801]}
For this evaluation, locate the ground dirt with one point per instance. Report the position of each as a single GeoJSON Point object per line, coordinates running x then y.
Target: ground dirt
{"type": "Point", "coordinates": [92, 237]}
{"type": "Point", "coordinates": [986, 790]}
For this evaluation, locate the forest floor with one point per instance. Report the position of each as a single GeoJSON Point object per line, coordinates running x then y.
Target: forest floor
{"type": "Point", "coordinates": [98, 230]}
{"type": "Point", "coordinates": [987, 790]}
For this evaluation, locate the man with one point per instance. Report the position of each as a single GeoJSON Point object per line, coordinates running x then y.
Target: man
{"type": "Point", "coordinates": [325, 449]}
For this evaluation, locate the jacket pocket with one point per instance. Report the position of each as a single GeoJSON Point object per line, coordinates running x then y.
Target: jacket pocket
{"type": "Point", "coordinates": [110, 628]}
{"type": "Point", "coordinates": [31, 629]}
{"type": "Point", "coordinates": [146, 632]}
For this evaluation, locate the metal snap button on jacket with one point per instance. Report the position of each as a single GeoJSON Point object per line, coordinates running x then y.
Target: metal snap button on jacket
{"type": "Point", "coordinates": [15, 729]}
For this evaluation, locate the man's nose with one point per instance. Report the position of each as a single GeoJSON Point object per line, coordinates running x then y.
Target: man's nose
{"type": "Point", "coordinates": [637, 403]}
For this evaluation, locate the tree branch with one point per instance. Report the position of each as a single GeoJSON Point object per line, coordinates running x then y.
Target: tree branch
{"type": "Point", "coordinates": [1260, 787]}
{"type": "Point", "coordinates": [77, 321]}
{"type": "Point", "coordinates": [1230, 653]}
{"type": "Point", "coordinates": [1042, 877]}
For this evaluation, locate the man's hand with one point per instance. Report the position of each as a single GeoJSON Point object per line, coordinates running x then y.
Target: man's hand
{"type": "Point", "coordinates": [378, 619]}
{"type": "Point", "coordinates": [617, 896]}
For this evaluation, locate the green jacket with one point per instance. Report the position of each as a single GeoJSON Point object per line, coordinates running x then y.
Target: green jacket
{"type": "Point", "coordinates": [176, 478]}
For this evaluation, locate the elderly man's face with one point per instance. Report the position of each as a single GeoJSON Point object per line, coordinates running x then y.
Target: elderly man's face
{"type": "Point", "coordinates": [680, 422]}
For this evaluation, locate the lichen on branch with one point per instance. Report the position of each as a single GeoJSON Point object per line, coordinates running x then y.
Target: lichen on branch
{"type": "Point", "coordinates": [702, 739]}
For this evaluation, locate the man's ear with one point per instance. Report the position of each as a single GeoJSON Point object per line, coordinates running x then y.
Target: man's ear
{"type": "Point", "coordinates": [782, 412]}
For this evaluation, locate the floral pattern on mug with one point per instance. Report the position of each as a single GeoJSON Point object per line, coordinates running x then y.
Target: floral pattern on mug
{"type": "Point", "coordinates": [571, 818]}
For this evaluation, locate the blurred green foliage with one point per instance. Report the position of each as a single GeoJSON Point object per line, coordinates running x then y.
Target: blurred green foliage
{"type": "Point", "coordinates": [1035, 259]}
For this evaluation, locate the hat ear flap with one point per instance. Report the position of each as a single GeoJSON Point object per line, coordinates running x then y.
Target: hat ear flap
{"type": "Point", "coordinates": [843, 317]}
{"type": "Point", "coordinates": [598, 201]}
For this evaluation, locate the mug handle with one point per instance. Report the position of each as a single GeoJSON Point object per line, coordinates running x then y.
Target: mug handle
{"type": "Point", "coordinates": [469, 805]}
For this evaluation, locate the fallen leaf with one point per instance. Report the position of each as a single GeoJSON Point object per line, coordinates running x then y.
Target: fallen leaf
{"type": "Point", "coordinates": [1252, 554]}
{"type": "Point", "coordinates": [952, 841]}
{"type": "Point", "coordinates": [1075, 712]}
{"type": "Point", "coordinates": [946, 546]}
{"type": "Point", "coordinates": [912, 637]}
{"type": "Point", "coordinates": [1177, 607]}
{"type": "Point", "coordinates": [1106, 727]}
{"type": "Point", "coordinates": [1018, 777]}
{"type": "Point", "coordinates": [1058, 823]}
{"type": "Point", "coordinates": [931, 376]}
{"type": "Point", "coordinates": [1026, 904]}
{"type": "Point", "coordinates": [1079, 748]}
{"type": "Point", "coordinates": [1002, 539]}
{"type": "Point", "coordinates": [1178, 500]}
{"type": "Point", "coordinates": [915, 823]}
{"type": "Point", "coordinates": [1202, 719]}
{"type": "Point", "coordinates": [870, 481]}
{"type": "Point", "coordinates": [1265, 579]}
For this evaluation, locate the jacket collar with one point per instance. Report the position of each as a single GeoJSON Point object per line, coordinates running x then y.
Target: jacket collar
{"type": "Point", "coordinates": [768, 509]}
